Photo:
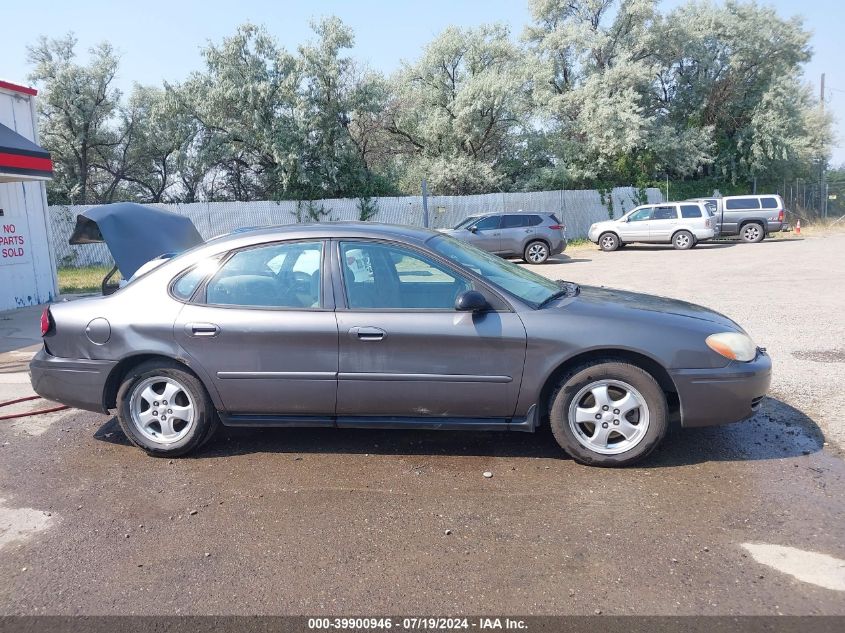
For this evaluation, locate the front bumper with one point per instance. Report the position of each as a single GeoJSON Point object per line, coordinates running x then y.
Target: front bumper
{"type": "Point", "coordinates": [721, 396]}
{"type": "Point", "coordinates": [76, 382]}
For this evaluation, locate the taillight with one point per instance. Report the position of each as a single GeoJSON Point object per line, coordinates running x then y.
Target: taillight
{"type": "Point", "coordinates": [557, 227]}
{"type": "Point", "coordinates": [780, 216]}
{"type": "Point", "coordinates": [46, 322]}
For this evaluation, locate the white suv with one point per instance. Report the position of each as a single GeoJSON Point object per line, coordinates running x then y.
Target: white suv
{"type": "Point", "coordinates": [682, 224]}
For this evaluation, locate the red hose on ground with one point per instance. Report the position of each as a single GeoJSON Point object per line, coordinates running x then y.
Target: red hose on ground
{"type": "Point", "coordinates": [28, 413]}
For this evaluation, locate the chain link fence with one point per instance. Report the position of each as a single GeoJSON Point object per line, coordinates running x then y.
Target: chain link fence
{"type": "Point", "coordinates": [576, 209]}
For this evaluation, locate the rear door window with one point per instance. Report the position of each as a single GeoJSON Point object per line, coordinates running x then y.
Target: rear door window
{"type": "Point", "coordinates": [741, 204]}
{"type": "Point", "coordinates": [690, 211]}
{"type": "Point", "coordinates": [665, 213]}
{"type": "Point", "coordinates": [514, 221]}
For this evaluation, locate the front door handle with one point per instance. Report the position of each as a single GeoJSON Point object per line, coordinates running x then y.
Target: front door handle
{"type": "Point", "coordinates": [367, 333]}
{"type": "Point", "coordinates": [202, 329]}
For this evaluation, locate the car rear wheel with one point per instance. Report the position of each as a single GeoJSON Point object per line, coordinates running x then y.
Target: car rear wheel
{"type": "Point", "coordinates": [536, 252]}
{"type": "Point", "coordinates": [164, 409]}
{"type": "Point", "coordinates": [608, 413]}
{"type": "Point", "coordinates": [752, 233]}
{"type": "Point", "coordinates": [683, 240]}
{"type": "Point", "coordinates": [608, 242]}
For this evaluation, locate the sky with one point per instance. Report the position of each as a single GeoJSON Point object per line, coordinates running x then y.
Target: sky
{"type": "Point", "coordinates": [161, 39]}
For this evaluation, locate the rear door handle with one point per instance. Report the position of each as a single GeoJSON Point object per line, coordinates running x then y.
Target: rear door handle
{"type": "Point", "coordinates": [367, 333]}
{"type": "Point", "coordinates": [202, 329]}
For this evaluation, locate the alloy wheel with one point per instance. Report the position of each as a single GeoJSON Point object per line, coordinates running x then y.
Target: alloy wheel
{"type": "Point", "coordinates": [608, 417]}
{"type": "Point", "coordinates": [682, 240]}
{"type": "Point", "coordinates": [538, 253]}
{"type": "Point", "coordinates": [751, 233]}
{"type": "Point", "coordinates": [162, 409]}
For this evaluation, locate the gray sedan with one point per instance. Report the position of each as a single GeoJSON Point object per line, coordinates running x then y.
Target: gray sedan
{"type": "Point", "coordinates": [374, 326]}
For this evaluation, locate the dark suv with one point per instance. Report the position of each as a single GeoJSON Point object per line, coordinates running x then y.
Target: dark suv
{"type": "Point", "coordinates": [533, 236]}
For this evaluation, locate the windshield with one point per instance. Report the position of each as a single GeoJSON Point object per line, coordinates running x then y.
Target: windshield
{"type": "Point", "coordinates": [465, 222]}
{"type": "Point", "coordinates": [532, 288]}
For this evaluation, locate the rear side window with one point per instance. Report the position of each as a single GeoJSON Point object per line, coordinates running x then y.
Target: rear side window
{"type": "Point", "coordinates": [740, 204]}
{"type": "Point", "coordinates": [279, 275]}
{"type": "Point", "coordinates": [665, 213]}
{"type": "Point", "coordinates": [534, 220]}
{"type": "Point", "coordinates": [554, 218]}
{"type": "Point", "coordinates": [183, 288]}
{"type": "Point", "coordinates": [514, 221]}
{"type": "Point", "coordinates": [769, 203]}
{"type": "Point", "coordinates": [690, 211]}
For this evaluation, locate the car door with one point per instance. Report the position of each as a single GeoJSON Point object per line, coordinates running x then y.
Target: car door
{"type": "Point", "coordinates": [405, 352]}
{"type": "Point", "coordinates": [664, 222]}
{"type": "Point", "coordinates": [514, 230]}
{"type": "Point", "coordinates": [636, 227]}
{"type": "Point", "coordinates": [263, 327]}
{"type": "Point", "coordinates": [485, 234]}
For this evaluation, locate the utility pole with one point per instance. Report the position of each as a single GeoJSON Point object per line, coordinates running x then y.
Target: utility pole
{"type": "Point", "coordinates": [425, 202]}
{"type": "Point", "coordinates": [823, 166]}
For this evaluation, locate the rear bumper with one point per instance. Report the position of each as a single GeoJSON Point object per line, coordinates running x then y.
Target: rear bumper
{"type": "Point", "coordinates": [704, 234]}
{"type": "Point", "coordinates": [720, 396]}
{"type": "Point", "coordinates": [79, 383]}
{"type": "Point", "coordinates": [558, 247]}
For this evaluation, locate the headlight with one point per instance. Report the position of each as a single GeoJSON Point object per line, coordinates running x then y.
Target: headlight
{"type": "Point", "coordinates": [733, 345]}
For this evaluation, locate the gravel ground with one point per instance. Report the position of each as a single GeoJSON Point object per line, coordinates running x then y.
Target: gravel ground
{"type": "Point", "coordinates": [788, 294]}
{"type": "Point", "coordinates": [738, 519]}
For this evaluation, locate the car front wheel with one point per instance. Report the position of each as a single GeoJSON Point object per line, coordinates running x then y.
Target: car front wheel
{"type": "Point", "coordinates": [164, 409]}
{"type": "Point", "coordinates": [536, 252]}
{"type": "Point", "coordinates": [608, 242]}
{"type": "Point", "coordinates": [608, 413]}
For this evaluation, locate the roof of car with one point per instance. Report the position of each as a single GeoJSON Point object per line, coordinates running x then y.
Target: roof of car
{"type": "Point", "coordinates": [332, 229]}
{"type": "Point", "coordinates": [518, 212]}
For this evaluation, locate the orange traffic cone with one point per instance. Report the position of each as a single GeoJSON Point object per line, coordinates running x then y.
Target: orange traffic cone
{"type": "Point", "coordinates": [798, 227]}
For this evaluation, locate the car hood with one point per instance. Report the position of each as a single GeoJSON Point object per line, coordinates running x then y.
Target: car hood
{"type": "Point", "coordinates": [613, 300]}
{"type": "Point", "coordinates": [135, 234]}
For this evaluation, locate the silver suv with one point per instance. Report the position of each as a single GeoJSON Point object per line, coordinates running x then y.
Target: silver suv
{"type": "Point", "coordinates": [681, 224]}
{"type": "Point", "coordinates": [751, 217]}
{"type": "Point", "coordinates": [533, 236]}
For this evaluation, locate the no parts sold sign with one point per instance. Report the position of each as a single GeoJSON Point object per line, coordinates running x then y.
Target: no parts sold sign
{"type": "Point", "coordinates": [14, 246]}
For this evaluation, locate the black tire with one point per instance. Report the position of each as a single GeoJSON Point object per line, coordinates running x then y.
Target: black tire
{"type": "Point", "coordinates": [609, 242]}
{"type": "Point", "coordinates": [204, 422]}
{"type": "Point", "coordinates": [752, 233]}
{"type": "Point", "coordinates": [580, 379]}
{"type": "Point", "coordinates": [683, 240]}
{"type": "Point", "coordinates": [536, 252]}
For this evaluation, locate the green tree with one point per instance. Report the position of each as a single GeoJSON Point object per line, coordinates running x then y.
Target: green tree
{"type": "Point", "coordinates": [76, 104]}
{"type": "Point", "coordinates": [458, 111]}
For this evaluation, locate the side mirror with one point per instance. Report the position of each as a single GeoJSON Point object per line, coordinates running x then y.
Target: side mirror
{"type": "Point", "coordinates": [472, 229]}
{"type": "Point", "coordinates": [471, 301]}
